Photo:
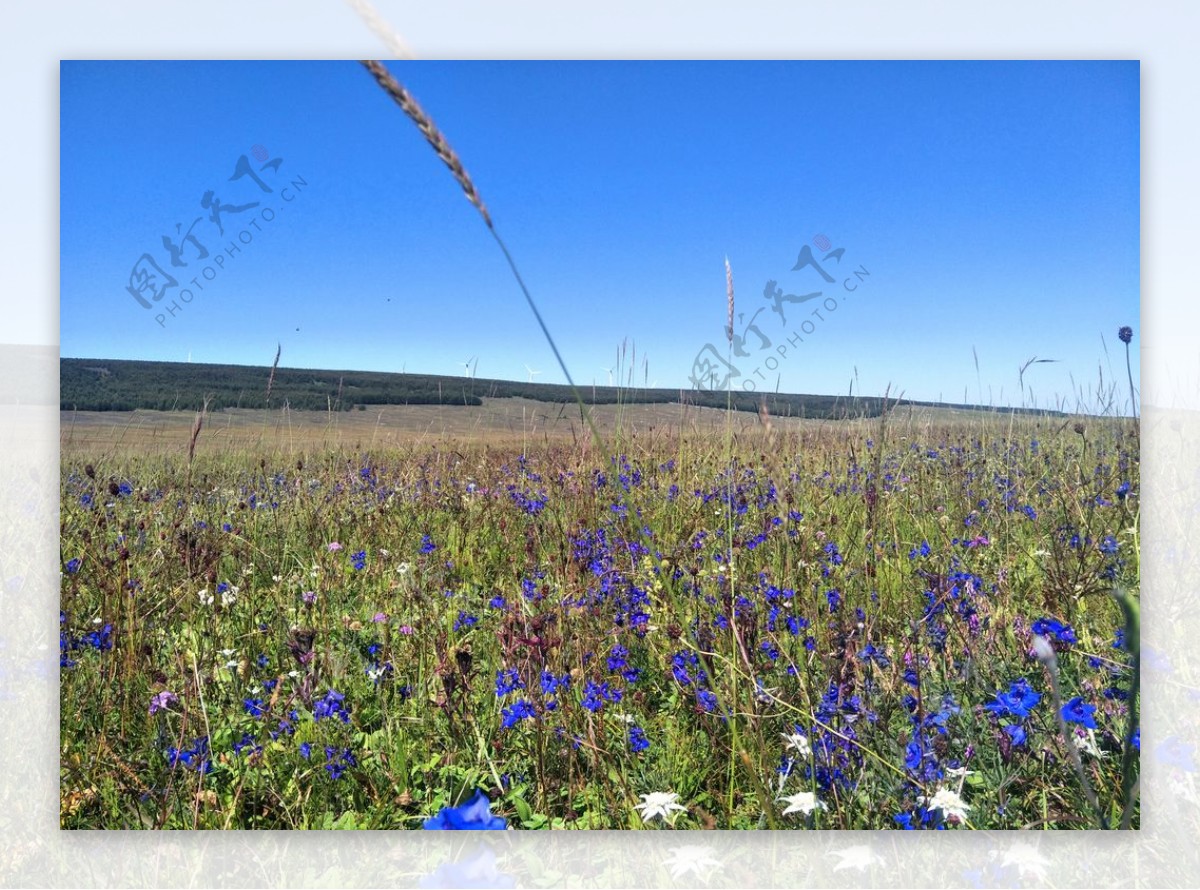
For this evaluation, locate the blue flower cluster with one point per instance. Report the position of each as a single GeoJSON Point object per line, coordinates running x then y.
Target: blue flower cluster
{"type": "Point", "coordinates": [637, 739]}
{"type": "Point", "coordinates": [336, 761]}
{"type": "Point", "coordinates": [1015, 705]}
{"type": "Point", "coordinates": [508, 680]}
{"type": "Point", "coordinates": [515, 713]}
{"type": "Point", "coordinates": [596, 694]}
{"type": "Point", "coordinates": [1051, 627]}
{"type": "Point", "coordinates": [331, 705]}
{"type": "Point", "coordinates": [196, 758]}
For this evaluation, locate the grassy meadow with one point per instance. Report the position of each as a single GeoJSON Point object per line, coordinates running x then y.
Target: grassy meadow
{"type": "Point", "coordinates": [276, 620]}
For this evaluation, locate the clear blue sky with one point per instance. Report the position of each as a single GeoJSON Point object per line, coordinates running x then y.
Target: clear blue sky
{"type": "Point", "coordinates": [995, 206]}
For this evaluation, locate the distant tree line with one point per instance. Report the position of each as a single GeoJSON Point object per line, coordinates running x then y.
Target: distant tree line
{"type": "Point", "coordinates": [122, 385]}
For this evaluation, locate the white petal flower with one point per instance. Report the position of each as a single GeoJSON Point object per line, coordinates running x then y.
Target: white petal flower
{"type": "Point", "coordinates": [803, 802]}
{"type": "Point", "coordinates": [694, 859]}
{"type": "Point", "coordinates": [1086, 743]}
{"type": "Point", "coordinates": [798, 743]}
{"type": "Point", "coordinates": [659, 803]}
{"type": "Point", "coordinates": [949, 802]}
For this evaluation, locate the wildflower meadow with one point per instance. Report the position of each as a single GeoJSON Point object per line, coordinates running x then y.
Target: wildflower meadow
{"type": "Point", "coordinates": [860, 624]}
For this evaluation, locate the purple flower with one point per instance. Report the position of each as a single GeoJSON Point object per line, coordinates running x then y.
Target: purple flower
{"type": "Point", "coordinates": [162, 701]}
{"type": "Point", "coordinates": [1125, 334]}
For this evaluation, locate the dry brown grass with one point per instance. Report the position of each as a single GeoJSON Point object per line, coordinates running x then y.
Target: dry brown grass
{"type": "Point", "coordinates": [504, 423]}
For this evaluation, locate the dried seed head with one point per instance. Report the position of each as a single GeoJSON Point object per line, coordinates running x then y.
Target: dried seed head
{"type": "Point", "coordinates": [429, 129]}
{"type": "Point", "coordinates": [729, 298]}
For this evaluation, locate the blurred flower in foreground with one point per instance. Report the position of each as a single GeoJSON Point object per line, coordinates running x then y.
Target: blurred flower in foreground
{"type": "Point", "coordinates": [1125, 334]}
{"type": "Point", "coordinates": [859, 857]}
{"type": "Point", "coordinates": [659, 803]}
{"type": "Point", "coordinates": [1027, 860]}
{"type": "Point", "coordinates": [478, 871]}
{"type": "Point", "coordinates": [694, 859]}
{"type": "Point", "coordinates": [474, 815]}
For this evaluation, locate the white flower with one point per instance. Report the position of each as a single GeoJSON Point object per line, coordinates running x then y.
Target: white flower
{"type": "Point", "coordinates": [798, 743]}
{"type": "Point", "coordinates": [959, 772]}
{"type": "Point", "coordinates": [692, 858]}
{"type": "Point", "coordinates": [206, 598]}
{"type": "Point", "coordinates": [403, 568]}
{"type": "Point", "coordinates": [1086, 743]}
{"type": "Point", "coordinates": [659, 803]}
{"type": "Point", "coordinates": [229, 595]}
{"type": "Point", "coordinates": [859, 857]}
{"type": "Point", "coordinates": [951, 805]}
{"type": "Point", "coordinates": [804, 802]}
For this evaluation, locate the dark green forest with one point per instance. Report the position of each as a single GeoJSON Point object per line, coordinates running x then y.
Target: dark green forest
{"type": "Point", "coordinates": [121, 385]}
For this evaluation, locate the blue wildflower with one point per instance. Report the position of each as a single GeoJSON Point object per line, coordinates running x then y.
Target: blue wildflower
{"type": "Point", "coordinates": [515, 713]}
{"type": "Point", "coordinates": [474, 815]}
{"type": "Point", "coordinates": [637, 739]}
{"type": "Point", "coordinates": [1045, 627]}
{"type": "Point", "coordinates": [331, 706]}
{"type": "Point", "coordinates": [1016, 732]}
{"type": "Point", "coordinates": [507, 681]}
{"type": "Point", "coordinates": [1020, 699]}
{"type": "Point", "coordinates": [1075, 711]}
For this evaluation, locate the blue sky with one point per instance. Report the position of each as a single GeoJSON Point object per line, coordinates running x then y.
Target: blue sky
{"type": "Point", "coordinates": [995, 207]}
